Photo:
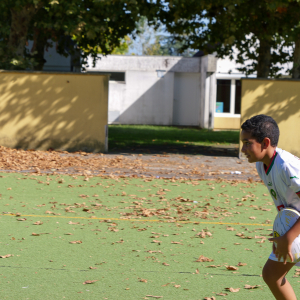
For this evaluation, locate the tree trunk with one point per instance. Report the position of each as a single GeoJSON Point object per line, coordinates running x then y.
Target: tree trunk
{"type": "Point", "coordinates": [20, 20]}
{"type": "Point", "coordinates": [296, 59]}
{"type": "Point", "coordinates": [38, 49]}
{"type": "Point", "coordinates": [264, 59]}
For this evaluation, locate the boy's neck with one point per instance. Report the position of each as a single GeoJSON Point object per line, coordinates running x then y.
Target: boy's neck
{"type": "Point", "coordinates": [269, 156]}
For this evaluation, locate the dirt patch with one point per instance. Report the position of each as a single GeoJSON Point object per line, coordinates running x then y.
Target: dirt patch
{"type": "Point", "coordinates": [159, 165]}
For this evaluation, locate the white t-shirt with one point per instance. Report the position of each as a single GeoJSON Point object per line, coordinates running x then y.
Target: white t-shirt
{"type": "Point", "coordinates": [282, 178]}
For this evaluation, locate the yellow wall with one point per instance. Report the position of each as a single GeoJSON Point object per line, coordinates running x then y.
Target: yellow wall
{"type": "Point", "coordinates": [279, 99]}
{"type": "Point", "coordinates": [227, 123]}
{"type": "Point", "coordinates": [62, 111]}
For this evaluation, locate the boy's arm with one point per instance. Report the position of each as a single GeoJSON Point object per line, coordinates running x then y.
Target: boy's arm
{"type": "Point", "coordinates": [284, 243]}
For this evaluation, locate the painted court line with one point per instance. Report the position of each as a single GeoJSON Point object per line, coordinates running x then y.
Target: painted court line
{"type": "Point", "coordinates": [133, 220]}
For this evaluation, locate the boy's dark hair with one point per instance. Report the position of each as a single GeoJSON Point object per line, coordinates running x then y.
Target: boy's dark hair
{"type": "Point", "coordinates": [262, 126]}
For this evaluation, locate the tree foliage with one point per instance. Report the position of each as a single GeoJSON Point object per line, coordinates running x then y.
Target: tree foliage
{"type": "Point", "coordinates": [94, 26]}
{"type": "Point", "coordinates": [154, 39]}
{"type": "Point", "coordinates": [262, 31]}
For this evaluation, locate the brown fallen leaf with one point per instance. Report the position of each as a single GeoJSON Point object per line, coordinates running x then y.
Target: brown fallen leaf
{"type": "Point", "coordinates": [35, 234]}
{"type": "Point", "coordinates": [177, 285]}
{"type": "Point", "coordinates": [93, 268]}
{"type": "Point", "coordinates": [222, 294]}
{"type": "Point", "coordinates": [38, 223]}
{"type": "Point", "coordinates": [75, 242]}
{"type": "Point", "coordinates": [89, 281]}
{"type": "Point", "coordinates": [252, 218]}
{"type": "Point", "coordinates": [167, 284]}
{"type": "Point", "coordinates": [143, 280]}
{"type": "Point", "coordinates": [73, 223]}
{"type": "Point", "coordinates": [176, 243]}
{"type": "Point", "coordinates": [156, 241]}
{"type": "Point", "coordinates": [232, 290]}
{"type": "Point", "coordinates": [210, 298]}
{"type": "Point", "coordinates": [232, 268]}
{"type": "Point", "coordinates": [203, 259]}
{"type": "Point", "coordinates": [6, 256]}
{"type": "Point", "coordinates": [165, 264]}
{"type": "Point", "coordinates": [250, 287]}
{"type": "Point", "coordinates": [241, 264]}
{"type": "Point", "coordinates": [22, 219]}
{"type": "Point", "coordinates": [197, 271]}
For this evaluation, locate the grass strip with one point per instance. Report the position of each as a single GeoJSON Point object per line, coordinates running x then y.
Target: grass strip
{"type": "Point", "coordinates": [126, 136]}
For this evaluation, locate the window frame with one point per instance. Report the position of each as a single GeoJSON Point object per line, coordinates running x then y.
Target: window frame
{"type": "Point", "coordinates": [231, 114]}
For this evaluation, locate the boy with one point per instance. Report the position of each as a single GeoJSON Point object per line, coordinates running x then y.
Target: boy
{"type": "Point", "coordinates": [280, 171]}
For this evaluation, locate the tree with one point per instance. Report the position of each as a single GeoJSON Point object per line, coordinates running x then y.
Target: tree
{"type": "Point", "coordinates": [262, 31]}
{"type": "Point", "coordinates": [147, 38]}
{"type": "Point", "coordinates": [154, 39]}
{"type": "Point", "coordinates": [94, 26]}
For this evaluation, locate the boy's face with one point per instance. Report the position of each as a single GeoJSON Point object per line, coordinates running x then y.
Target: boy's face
{"type": "Point", "coordinates": [253, 150]}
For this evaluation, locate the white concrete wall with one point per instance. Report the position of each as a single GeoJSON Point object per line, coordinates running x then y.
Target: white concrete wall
{"type": "Point", "coordinates": [186, 99]}
{"type": "Point", "coordinates": [146, 63]}
{"type": "Point", "coordinates": [144, 98]}
{"type": "Point", "coordinates": [179, 98]}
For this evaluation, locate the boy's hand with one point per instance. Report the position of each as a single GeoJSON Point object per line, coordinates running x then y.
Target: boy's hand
{"type": "Point", "coordinates": [283, 249]}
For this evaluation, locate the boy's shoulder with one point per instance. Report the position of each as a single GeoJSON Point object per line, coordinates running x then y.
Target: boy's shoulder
{"type": "Point", "coordinates": [282, 161]}
{"type": "Point", "coordinates": [286, 161]}
{"type": "Point", "coordinates": [285, 157]}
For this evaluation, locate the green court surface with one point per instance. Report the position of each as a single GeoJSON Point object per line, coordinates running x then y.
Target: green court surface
{"type": "Point", "coordinates": [135, 238]}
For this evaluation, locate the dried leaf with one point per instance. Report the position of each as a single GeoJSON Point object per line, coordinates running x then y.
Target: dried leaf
{"type": "Point", "coordinates": [232, 268]}
{"type": "Point", "coordinates": [73, 223]}
{"type": "Point", "coordinates": [232, 290]}
{"type": "Point", "coordinates": [203, 259]}
{"type": "Point", "coordinates": [76, 242]}
{"type": "Point", "coordinates": [250, 287]}
{"type": "Point", "coordinates": [38, 223]}
{"type": "Point", "coordinates": [89, 281]}
{"type": "Point", "coordinates": [6, 256]}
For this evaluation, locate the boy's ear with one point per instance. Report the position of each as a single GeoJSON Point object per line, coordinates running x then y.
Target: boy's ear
{"type": "Point", "coordinates": [266, 143]}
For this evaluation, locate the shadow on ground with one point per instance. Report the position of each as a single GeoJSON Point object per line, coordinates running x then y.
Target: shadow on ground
{"type": "Point", "coordinates": [216, 150]}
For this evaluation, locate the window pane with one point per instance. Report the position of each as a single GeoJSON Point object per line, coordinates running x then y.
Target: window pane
{"type": "Point", "coordinates": [238, 93]}
{"type": "Point", "coordinates": [115, 76]}
{"type": "Point", "coordinates": [223, 95]}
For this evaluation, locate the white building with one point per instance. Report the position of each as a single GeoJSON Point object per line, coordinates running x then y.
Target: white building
{"type": "Point", "coordinates": [167, 90]}
{"type": "Point", "coordinates": [160, 90]}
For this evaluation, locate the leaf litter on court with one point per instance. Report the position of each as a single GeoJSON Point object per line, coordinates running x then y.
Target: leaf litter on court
{"type": "Point", "coordinates": [172, 227]}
